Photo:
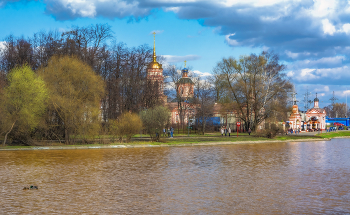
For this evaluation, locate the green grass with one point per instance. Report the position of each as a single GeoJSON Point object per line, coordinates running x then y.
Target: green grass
{"type": "Point", "coordinates": [296, 137]}
{"type": "Point", "coordinates": [184, 139]}
{"type": "Point", "coordinates": [335, 134]}
{"type": "Point", "coordinates": [219, 138]}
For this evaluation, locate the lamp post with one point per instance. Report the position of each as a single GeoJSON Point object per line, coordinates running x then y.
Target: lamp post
{"type": "Point", "coordinates": [188, 123]}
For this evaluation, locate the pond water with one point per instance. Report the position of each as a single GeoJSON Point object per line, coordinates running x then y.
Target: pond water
{"type": "Point", "coordinates": [276, 178]}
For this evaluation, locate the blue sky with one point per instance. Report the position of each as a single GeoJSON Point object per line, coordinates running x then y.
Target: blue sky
{"type": "Point", "coordinates": [311, 36]}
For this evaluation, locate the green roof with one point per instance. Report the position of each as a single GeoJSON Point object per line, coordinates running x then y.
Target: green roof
{"type": "Point", "coordinates": [185, 81]}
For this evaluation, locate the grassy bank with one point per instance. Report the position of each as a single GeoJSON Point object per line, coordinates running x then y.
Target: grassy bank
{"type": "Point", "coordinates": [181, 140]}
{"type": "Point", "coordinates": [242, 138]}
{"type": "Point", "coordinates": [334, 134]}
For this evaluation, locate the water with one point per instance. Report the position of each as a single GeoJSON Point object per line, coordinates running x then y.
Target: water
{"type": "Point", "coordinates": [276, 178]}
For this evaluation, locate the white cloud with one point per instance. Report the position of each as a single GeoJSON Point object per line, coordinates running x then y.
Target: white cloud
{"type": "Point", "coordinates": [328, 28]}
{"type": "Point", "coordinates": [291, 54]}
{"type": "Point", "coordinates": [269, 18]}
{"type": "Point", "coordinates": [230, 41]}
{"type": "Point", "coordinates": [346, 92]}
{"type": "Point", "coordinates": [255, 3]}
{"type": "Point", "coordinates": [2, 46]}
{"type": "Point", "coordinates": [265, 48]}
{"type": "Point", "coordinates": [202, 74]}
{"type": "Point", "coordinates": [325, 61]}
{"type": "Point", "coordinates": [346, 28]}
{"type": "Point", "coordinates": [326, 76]}
{"type": "Point", "coordinates": [308, 74]}
{"type": "Point", "coordinates": [323, 8]}
{"type": "Point", "coordinates": [173, 9]}
{"type": "Point", "coordinates": [290, 74]}
{"type": "Point", "coordinates": [84, 8]}
{"type": "Point", "coordinates": [176, 59]}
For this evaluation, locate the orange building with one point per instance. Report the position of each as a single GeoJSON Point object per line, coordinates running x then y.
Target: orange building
{"type": "Point", "coordinates": [295, 118]}
{"type": "Point", "coordinates": [155, 72]}
{"type": "Point", "coordinates": [316, 117]}
{"type": "Point", "coordinates": [182, 107]}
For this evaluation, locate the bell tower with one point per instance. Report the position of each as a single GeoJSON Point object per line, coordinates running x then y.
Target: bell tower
{"type": "Point", "coordinates": [185, 85]}
{"type": "Point", "coordinates": [155, 70]}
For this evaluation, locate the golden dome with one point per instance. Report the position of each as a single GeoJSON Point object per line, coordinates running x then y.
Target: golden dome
{"type": "Point", "coordinates": [155, 65]}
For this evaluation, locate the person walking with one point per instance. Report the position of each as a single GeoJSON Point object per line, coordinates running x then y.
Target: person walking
{"type": "Point", "coordinates": [171, 132]}
{"type": "Point", "coordinates": [222, 131]}
{"type": "Point", "coordinates": [229, 131]}
{"type": "Point", "coordinates": [249, 131]}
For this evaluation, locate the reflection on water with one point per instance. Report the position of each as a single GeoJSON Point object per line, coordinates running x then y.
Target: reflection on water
{"type": "Point", "coordinates": [278, 178]}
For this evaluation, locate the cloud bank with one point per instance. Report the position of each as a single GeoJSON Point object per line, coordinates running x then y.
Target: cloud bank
{"type": "Point", "coordinates": [311, 36]}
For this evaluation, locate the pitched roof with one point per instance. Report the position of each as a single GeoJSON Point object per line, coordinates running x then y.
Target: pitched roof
{"type": "Point", "coordinates": [185, 81]}
{"type": "Point", "coordinates": [315, 110]}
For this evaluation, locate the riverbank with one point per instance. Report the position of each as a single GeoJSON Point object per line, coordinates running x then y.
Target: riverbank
{"type": "Point", "coordinates": [335, 134]}
{"type": "Point", "coordinates": [179, 141]}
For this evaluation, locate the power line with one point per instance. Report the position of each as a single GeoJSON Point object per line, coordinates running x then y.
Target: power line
{"type": "Point", "coordinates": [294, 100]}
{"type": "Point", "coordinates": [306, 100]}
{"type": "Point", "coordinates": [333, 99]}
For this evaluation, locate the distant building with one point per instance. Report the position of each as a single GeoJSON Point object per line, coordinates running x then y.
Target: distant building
{"type": "Point", "coordinates": [316, 116]}
{"type": "Point", "coordinates": [295, 118]}
{"type": "Point", "coordinates": [182, 107]}
{"type": "Point", "coordinates": [155, 72]}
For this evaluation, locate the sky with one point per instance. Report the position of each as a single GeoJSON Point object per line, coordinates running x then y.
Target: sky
{"type": "Point", "coordinates": [312, 37]}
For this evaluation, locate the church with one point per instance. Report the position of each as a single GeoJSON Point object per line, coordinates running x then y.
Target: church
{"type": "Point", "coordinates": [182, 107]}
{"type": "Point", "coordinates": [316, 117]}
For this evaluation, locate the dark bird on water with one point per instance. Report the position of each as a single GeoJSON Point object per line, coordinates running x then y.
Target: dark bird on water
{"type": "Point", "coordinates": [31, 188]}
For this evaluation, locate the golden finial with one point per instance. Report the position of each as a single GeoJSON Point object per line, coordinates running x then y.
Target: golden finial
{"type": "Point", "coordinates": [154, 47]}
{"type": "Point", "coordinates": [185, 63]}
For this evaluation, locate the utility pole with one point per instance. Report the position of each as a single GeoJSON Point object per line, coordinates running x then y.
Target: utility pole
{"type": "Point", "coordinates": [294, 100]}
{"type": "Point", "coordinates": [306, 102]}
{"type": "Point", "coordinates": [333, 99]}
{"type": "Point", "coordinates": [346, 103]}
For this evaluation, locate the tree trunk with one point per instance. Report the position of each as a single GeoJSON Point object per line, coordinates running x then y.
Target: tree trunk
{"type": "Point", "coordinates": [4, 143]}
{"type": "Point", "coordinates": [204, 121]}
{"type": "Point", "coordinates": [66, 136]}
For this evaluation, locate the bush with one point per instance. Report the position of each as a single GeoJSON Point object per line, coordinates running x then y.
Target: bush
{"type": "Point", "coordinates": [127, 126]}
{"type": "Point", "coordinates": [154, 120]}
{"type": "Point", "coordinates": [270, 132]}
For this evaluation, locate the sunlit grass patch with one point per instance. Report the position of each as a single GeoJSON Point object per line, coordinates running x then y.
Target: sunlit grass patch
{"type": "Point", "coordinates": [335, 134]}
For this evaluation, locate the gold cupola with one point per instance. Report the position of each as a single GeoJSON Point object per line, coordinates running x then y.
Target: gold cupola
{"type": "Point", "coordinates": [154, 64]}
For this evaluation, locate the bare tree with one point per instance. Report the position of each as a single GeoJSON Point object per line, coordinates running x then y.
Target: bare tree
{"type": "Point", "coordinates": [252, 84]}
{"type": "Point", "coordinates": [204, 101]}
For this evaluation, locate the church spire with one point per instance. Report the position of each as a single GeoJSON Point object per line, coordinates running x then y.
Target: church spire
{"type": "Point", "coordinates": [154, 47]}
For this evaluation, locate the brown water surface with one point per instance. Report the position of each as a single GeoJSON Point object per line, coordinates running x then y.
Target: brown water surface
{"type": "Point", "coordinates": [276, 178]}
